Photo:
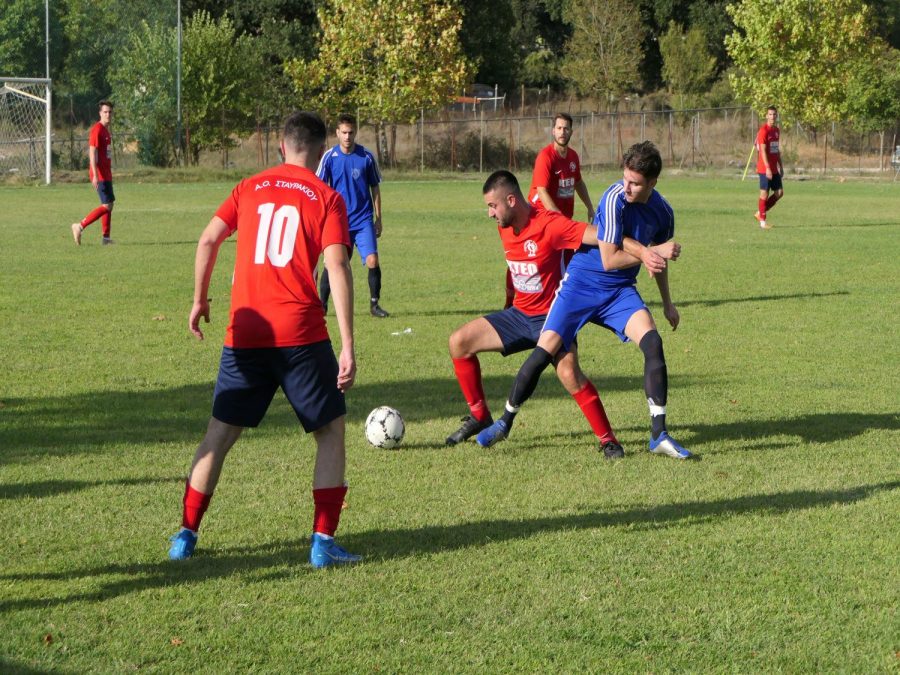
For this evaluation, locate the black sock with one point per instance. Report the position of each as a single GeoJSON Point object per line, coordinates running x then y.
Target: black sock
{"type": "Point", "coordinates": [526, 381]}
{"type": "Point", "coordinates": [656, 380]}
{"type": "Point", "coordinates": [375, 284]}
{"type": "Point", "coordinates": [324, 287]}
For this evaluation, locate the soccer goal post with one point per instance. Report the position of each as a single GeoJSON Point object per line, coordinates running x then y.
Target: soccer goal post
{"type": "Point", "coordinates": [25, 127]}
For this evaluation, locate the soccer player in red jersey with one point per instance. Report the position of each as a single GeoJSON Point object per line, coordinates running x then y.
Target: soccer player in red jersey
{"type": "Point", "coordinates": [556, 178]}
{"type": "Point", "coordinates": [555, 181]}
{"type": "Point", "coordinates": [285, 218]}
{"type": "Point", "coordinates": [768, 166]}
{"type": "Point", "coordinates": [100, 156]}
{"type": "Point", "coordinates": [534, 241]}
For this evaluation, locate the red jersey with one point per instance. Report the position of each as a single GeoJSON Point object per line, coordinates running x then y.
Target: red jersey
{"type": "Point", "coordinates": [99, 138]}
{"type": "Point", "coordinates": [285, 217]}
{"type": "Point", "coordinates": [768, 138]}
{"type": "Point", "coordinates": [559, 175]}
{"type": "Point", "coordinates": [534, 257]}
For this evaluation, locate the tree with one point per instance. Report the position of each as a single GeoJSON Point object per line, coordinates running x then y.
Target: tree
{"type": "Point", "coordinates": [688, 67]}
{"type": "Point", "coordinates": [387, 58]}
{"type": "Point", "coordinates": [799, 54]}
{"type": "Point", "coordinates": [491, 51]}
{"type": "Point", "coordinates": [143, 85]}
{"type": "Point", "coordinates": [220, 81]}
{"type": "Point", "coordinates": [603, 56]}
{"type": "Point", "coordinates": [873, 93]}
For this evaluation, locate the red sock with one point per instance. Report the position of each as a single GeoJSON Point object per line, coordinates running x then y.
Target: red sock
{"type": "Point", "coordinates": [589, 401]}
{"type": "Point", "coordinates": [105, 223]}
{"type": "Point", "coordinates": [327, 514]}
{"type": "Point", "coordinates": [770, 202]}
{"type": "Point", "coordinates": [468, 373]}
{"type": "Point", "coordinates": [93, 215]}
{"type": "Point", "coordinates": [510, 290]}
{"type": "Point", "coordinates": [195, 505]}
{"type": "Point", "coordinates": [762, 208]}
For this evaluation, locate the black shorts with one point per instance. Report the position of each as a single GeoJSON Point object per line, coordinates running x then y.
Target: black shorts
{"type": "Point", "coordinates": [248, 379]}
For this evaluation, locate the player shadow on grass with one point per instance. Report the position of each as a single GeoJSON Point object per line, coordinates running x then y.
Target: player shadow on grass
{"type": "Point", "coordinates": [754, 298]}
{"type": "Point", "coordinates": [105, 420]}
{"type": "Point", "coordinates": [286, 558]}
{"type": "Point", "coordinates": [765, 434]}
{"type": "Point", "coordinates": [52, 488]}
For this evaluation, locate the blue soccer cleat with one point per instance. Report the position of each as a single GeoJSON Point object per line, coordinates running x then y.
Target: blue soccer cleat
{"type": "Point", "coordinates": [183, 543]}
{"type": "Point", "coordinates": [493, 434]}
{"type": "Point", "coordinates": [324, 552]}
{"type": "Point", "coordinates": [666, 445]}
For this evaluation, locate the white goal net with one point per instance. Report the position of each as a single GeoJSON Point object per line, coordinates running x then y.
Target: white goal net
{"type": "Point", "coordinates": [25, 128]}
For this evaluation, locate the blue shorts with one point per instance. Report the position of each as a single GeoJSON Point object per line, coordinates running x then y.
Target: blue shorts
{"type": "Point", "coordinates": [773, 183]}
{"type": "Point", "coordinates": [578, 303]}
{"type": "Point", "coordinates": [248, 379]}
{"type": "Point", "coordinates": [364, 240]}
{"type": "Point", "coordinates": [105, 192]}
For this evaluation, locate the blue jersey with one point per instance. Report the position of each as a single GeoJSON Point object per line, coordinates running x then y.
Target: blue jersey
{"type": "Point", "coordinates": [650, 223]}
{"type": "Point", "coordinates": [352, 175]}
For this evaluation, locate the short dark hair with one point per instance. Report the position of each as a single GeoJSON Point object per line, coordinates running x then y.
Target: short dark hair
{"type": "Point", "coordinates": [644, 158]}
{"type": "Point", "coordinates": [562, 116]}
{"type": "Point", "coordinates": [103, 103]}
{"type": "Point", "coordinates": [304, 130]}
{"type": "Point", "coordinates": [499, 179]}
{"type": "Point", "coordinates": [771, 107]}
{"type": "Point", "coordinates": [346, 118]}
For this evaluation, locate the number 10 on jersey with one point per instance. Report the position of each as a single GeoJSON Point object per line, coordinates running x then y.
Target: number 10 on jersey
{"type": "Point", "coordinates": [277, 233]}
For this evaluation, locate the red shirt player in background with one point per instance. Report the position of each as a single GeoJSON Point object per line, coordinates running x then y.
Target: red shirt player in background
{"type": "Point", "coordinates": [100, 172]}
{"type": "Point", "coordinates": [285, 218]}
{"type": "Point", "coordinates": [555, 180]}
{"type": "Point", "coordinates": [534, 241]}
{"type": "Point", "coordinates": [768, 166]}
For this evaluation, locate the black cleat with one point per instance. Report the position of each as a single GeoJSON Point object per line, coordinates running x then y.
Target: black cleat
{"type": "Point", "coordinates": [470, 427]}
{"type": "Point", "coordinates": [611, 450]}
{"type": "Point", "coordinates": [377, 311]}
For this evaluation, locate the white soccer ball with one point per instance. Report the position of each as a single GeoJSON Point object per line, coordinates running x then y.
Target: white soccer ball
{"type": "Point", "coordinates": [385, 427]}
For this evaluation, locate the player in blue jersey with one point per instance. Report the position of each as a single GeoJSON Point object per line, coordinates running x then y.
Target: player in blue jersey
{"type": "Point", "coordinates": [589, 293]}
{"type": "Point", "coordinates": [352, 170]}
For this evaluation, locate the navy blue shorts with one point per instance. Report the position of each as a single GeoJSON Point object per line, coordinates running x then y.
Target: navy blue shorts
{"type": "Point", "coordinates": [105, 192]}
{"type": "Point", "coordinates": [248, 379]}
{"type": "Point", "coordinates": [773, 183]}
{"type": "Point", "coordinates": [517, 330]}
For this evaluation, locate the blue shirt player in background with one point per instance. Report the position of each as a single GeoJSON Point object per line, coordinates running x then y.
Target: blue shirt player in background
{"type": "Point", "coordinates": [352, 170]}
{"type": "Point", "coordinates": [589, 293]}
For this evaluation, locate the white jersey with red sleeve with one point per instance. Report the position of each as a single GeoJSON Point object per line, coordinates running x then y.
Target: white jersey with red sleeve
{"type": "Point", "coordinates": [285, 217]}
{"type": "Point", "coordinates": [534, 257]}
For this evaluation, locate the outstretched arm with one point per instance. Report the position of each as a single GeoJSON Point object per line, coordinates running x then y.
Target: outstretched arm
{"type": "Point", "coordinates": [340, 277]}
{"type": "Point", "coordinates": [204, 261]}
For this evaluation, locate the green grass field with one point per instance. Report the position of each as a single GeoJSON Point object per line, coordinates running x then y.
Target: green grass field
{"type": "Point", "coordinates": [777, 552]}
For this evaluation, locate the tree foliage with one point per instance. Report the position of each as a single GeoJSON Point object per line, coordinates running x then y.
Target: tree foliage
{"type": "Point", "coordinates": [144, 88]}
{"type": "Point", "coordinates": [220, 82]}
{"type": "Point", "coordinates": [387, 58]}
{"type": "Point", "coordinates": [603, 56]}
{"type": "Point", "coordinates": [688, 68]}
{"type": "Point", "coordinates": [799, 54]}
{"type": "Point", "coordinates": [873, 92]}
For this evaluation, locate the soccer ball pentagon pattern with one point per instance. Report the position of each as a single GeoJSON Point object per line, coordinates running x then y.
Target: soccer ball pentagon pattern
{"type": "Point", "coordinates": [385, 427]}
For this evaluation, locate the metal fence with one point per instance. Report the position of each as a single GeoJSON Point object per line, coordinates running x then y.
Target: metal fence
{"type": "Point", "coordinates": [715, 139]}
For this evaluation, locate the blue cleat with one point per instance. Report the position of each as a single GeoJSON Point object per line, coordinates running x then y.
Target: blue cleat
{"type": "Point", "coordinates": [183, 543]}
{"type": "Point", "coordinates": [666, 445]}
{"type": "Point", "coordinates": [324, 552]}
{"type": "Point", "coordinates": [493, 434]}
